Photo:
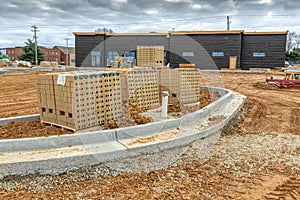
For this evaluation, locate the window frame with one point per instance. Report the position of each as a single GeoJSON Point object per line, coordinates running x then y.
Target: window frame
{"type": "Point", "coordinates": [217, 54]}
{"type": "Point", "coordinates": [188, 54]}
{"type": "Point", "coordinates": [259, 54]}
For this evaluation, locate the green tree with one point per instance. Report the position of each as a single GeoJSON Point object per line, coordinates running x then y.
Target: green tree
{"type": "Point", "coordinates": [293, 56]}
{"type": "Point", "coordinates": [29, 53]}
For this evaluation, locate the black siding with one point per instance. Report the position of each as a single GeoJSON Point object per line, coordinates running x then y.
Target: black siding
{"type": "Point", "coordinates": [121, 44]}
{"type": "Point", "coordinates": [183, 43]}
{"type": "Point", "coordinates": [84, 44]}
{"type": "Point", "coordinates": [202, 45]}
{"type": "Point", "coordinates": [272, 45]}
{"type": "Point", "coordinates": [230, 44]}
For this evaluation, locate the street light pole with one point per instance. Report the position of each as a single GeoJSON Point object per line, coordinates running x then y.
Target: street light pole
{"type": "Point", "coordinates": [35, 44]}
{"type": "Point", "coordinates": [67, 51]}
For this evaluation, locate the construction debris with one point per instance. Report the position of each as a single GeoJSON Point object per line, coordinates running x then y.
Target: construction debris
{"type": "Point", "coordinates": [49, 64]}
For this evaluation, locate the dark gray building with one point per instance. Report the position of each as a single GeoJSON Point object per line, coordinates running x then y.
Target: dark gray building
{"type": "Point", "coordinates": [206, 49]}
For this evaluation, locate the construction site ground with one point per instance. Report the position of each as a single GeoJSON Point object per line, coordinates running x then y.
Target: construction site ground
{"type": "Point", "coordinates": [257, 157]}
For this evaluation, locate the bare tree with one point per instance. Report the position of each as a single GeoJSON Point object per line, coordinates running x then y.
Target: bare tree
{"type": "Point", "coordinates": [105, 30]}
{"type": "Point", "coordinates": [291, 40]}
{"type": "Point", "coordinates": [297, 41]}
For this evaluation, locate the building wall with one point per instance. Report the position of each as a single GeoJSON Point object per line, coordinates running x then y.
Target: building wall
{"type": "Point", "coordinates": [14, 52]}
{"type": "Point", "coordinates": [228, 44]}
{"type": "Point", "coordinates": [85, 45]}
{"type": "Point", "coordinates": [72, 60]}
{"type": "Point", "coordinates": [122, 44]}
{"type": "Point", "coordinates": [272, 45]}
{"type": "Point", "coordinates": [203, 46]}
{"type": "Point", "coordinates": [52, 55]}
{"type": "Point", "coordinates": [207, 51]}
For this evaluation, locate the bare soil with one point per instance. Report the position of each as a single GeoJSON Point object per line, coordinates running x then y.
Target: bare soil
{"type": "Point", "coordinates": [18, 95]}
{"type": "Point", "coordinates": [256, 158]}
{"type": "Point", "coordinates": [30, 129]}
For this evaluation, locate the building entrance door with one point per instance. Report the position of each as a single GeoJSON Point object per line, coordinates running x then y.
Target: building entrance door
{"type": "Point", "coordinates": [232, 62]}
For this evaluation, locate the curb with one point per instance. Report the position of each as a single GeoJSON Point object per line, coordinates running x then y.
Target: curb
{"type": "Point", "coordinates": [53, 155]}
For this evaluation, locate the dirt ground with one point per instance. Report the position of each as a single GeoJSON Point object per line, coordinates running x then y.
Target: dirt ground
{"type": "Point", "coordinates": [271, 119]}
{"type": "Point", "coordinates": [18, 95]}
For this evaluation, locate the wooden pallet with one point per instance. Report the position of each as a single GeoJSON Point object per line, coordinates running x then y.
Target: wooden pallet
{"type": "Point", "coordinates": [58, 126]}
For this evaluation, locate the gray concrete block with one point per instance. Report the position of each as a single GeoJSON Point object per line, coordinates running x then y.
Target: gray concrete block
{"type": "Point", "coordinates": [26, 118]}
{"type": "Point", "coordinates": [31, 144]}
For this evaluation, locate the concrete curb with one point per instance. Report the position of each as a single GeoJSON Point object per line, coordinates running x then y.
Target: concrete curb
{"type": "Point", "coordinates": [52, 155]}
{"type": "Point", "coordinates": [44, 143]}
{"type": "Point", "coordinates": [25, 118]}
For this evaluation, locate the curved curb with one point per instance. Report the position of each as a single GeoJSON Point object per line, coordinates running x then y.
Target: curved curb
{"type": "Point", "coordinates": [25, 118]}
{"type": "Point", "coordinates": [57, 154]}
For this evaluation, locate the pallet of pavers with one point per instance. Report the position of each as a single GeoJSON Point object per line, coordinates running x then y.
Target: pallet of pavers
{"type": "Point", "coordinates": [182, 84]}
{"type": "Point", "coordinates": [140, 87]}
{"type": "Point", "coordinates": [150, 56]}
{"type": "Point", "coordinates": [78, 100]}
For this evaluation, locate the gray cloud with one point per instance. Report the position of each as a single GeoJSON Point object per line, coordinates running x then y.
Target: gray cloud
{"type": "Point", "coordinates": [58, 19]}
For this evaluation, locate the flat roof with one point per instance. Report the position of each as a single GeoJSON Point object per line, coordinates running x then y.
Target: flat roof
{"type": "Point", "coordinates": [267, 33]}
{"type": "Point", "coordinates": [205, 32]}
{"type": "Point", "coordinates": [117, 34]}
{"type": "Point", "coordinates": [184, 33]}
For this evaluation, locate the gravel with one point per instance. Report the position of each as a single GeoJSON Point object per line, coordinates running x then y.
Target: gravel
{"type": "Point", "coordinates": [243, 155]}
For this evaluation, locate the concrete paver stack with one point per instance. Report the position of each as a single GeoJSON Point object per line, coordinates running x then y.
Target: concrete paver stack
{"type": "Point", "coordinates": [79, 100]}
{"type": "Point", "coordinates": [140, 87]}
{"type": "Point", "coordinates": [150, 56]}
{"type": "Point", "coordinates": [182, 84]}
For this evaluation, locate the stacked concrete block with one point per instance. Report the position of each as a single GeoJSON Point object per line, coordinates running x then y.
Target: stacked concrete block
{"type": "Point", "coordinates": [140, 87]}
{"type": "Point", "coordinates": [80, 100]}
{"type": "Point", "coordinates": [150, 56]}
{"type": "Point", "coordinates": [108, 104]}
{"type": "Point", "coordinates": [182, 84]}
{"type": "Point", "coordinates": [169, 80]}
{"type": "Point", "coordinates": [46, 98]}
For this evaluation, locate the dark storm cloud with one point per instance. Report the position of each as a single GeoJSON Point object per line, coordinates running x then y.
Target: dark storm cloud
{"type": "Point", "coordinates": [58, 19]}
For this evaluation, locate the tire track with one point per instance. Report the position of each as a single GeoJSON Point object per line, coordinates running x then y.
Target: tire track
{"type": "Point", "coordinates": [288, 190]}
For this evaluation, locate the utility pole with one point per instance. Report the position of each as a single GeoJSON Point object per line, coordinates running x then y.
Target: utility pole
{"type": "Point", "coordinates": [228, 23]}
{"type": "Point", "coordinates": [67, 52]}
{"type": "Point", "coordinates": [35, 43]}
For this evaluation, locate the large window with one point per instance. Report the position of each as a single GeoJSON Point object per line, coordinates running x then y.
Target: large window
{"type": "Point", "coordinates": [259, 54]}
{"type": "Point", "coordinates": [188, 53]}
{"type": "Point", "coordinates": [96, 58]}
{"type": "Point", "coordinates": [130, 54]}
{"type": "Point", "coordinates": [217, 54]}
{"type": "Point", "coordinates": [111, 57]}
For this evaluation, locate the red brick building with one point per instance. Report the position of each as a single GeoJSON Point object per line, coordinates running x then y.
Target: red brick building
{"type": "Point", "coordinates": [55, 54]}
{"type": "Point", "coordinates": [52, 55]}
{"type": "Point", "coordinates": [14, 52]}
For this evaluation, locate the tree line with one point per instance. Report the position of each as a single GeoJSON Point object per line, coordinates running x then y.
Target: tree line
{"type": "Point", "coordinates": [292, 54]}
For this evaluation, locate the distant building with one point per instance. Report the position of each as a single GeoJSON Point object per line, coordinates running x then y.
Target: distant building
{"type": "Point", "coordinates": [14, 52]}
{"type": "Point", "coordinates": [205, 49]}
{"type": "Point", "coordinates": [55, 54]}
{"type": "Point", "coordinates": [71, 55]}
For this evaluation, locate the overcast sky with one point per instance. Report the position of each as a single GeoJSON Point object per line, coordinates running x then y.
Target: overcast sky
{"type": "Point", "coordinates": [58, 19]}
